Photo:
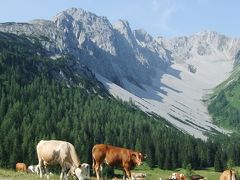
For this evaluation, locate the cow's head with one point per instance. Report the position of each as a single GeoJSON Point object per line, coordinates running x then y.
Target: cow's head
{"type": "Point", "coordinates": [78, 172]}
{"type": "Point", "coordinates": [137, 157]}
{"type": "Point", "coordinates": [174, 176]}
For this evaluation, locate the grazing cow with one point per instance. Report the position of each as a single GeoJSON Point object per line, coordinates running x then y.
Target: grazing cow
{"type": "Point", "coordinates": [55, 152]}
{"type": "Point", "coordinates": [139, 176]}
{"type": "Point", "coordinates": [85, 170]}
{"type": "Point", "coordinates": [177, 176]}
{"type": "Point", "coordinates": [196, 177]}
{"type": "Point", "coordinates": [115, 156]}
{"type": "Point", "coordinates": [21, 167]}
{"type": "Point", "coordinates": [228, 175]}
{"type": "Point", "coordinates": [33, 169]}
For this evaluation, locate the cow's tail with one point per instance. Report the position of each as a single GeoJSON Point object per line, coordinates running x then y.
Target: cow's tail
{"type": "Point", "coordinates": [94, 161]}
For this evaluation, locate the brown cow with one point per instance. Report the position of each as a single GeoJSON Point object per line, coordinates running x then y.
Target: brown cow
{"type": "Point", "coordinates": [178, 176]}
{"type": "Point", "coordinates": [115, 156]}
{"type": "Point", "coordinates": [228, 175]}
{"type": "Point", "coordinates": [21, 167]}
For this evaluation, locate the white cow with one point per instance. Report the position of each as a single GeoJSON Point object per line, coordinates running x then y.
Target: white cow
{"type": "Point", "coordinates": [53, 152]}
{"type": "Point", "coordinates": [33, 169]}
{"type": "Point", "coordinates": [85, 170]}
{"type": "Point", "coordinates": [139, 176]}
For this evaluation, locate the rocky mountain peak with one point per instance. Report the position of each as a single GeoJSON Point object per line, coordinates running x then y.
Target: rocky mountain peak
{"type": "Point", "coordinates": [122, 26]}
{"type": "Point", "coordinates": [74, 13]}
{"type": "Point", "coordinates": [82, 26]}
{"type": "Point", "coordinates": [207, 33]}
{"type": "Point", "coordinates": [123, 29]}
{"type": "Point", "coordinates": [207, 36]}
{"type": "Point", "coordinates": [142, 35]}
{"type": "Point", "coordinates": [82, 16]}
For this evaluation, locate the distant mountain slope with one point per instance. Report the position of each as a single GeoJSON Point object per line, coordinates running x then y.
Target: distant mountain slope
{"type": "Point", "coordinates": [169, 77]}
{"type": "Point", "coordinates": [224, 104]}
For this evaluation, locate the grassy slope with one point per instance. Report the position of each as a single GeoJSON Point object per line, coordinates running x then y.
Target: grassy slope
{"type": "Point", "coordinates": [12, 175]}
{"type": "Point", "coordinates": [221, 109]}
{"type": "Point", "coordinates": [156, 173]}
{"type": "Point", "coordinates": [152, 174]}
{"type": "Point", "coordinates": [235, 74]}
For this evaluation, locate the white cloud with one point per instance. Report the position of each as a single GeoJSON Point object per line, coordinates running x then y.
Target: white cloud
{"type": "Point", "coordinates": [164, 11]}
{"type": "Point", "coordinates": [165, 18]}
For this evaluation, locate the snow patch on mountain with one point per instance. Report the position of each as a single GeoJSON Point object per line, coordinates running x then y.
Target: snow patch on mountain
{"type": "Point", "coordinates": [177, 94]}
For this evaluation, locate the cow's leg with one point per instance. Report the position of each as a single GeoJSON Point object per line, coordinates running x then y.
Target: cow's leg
{"type": "Point", "coordinates": [37, 169]}
{"type": "Point", "coordinates": [66, 175]}
{"type": "Point", "coordinates": [40, 164]}
{"type": "Point", "coordinates": [69, 172]}
{"type": "Point", "coordinates": [62, 175]}
{"type": "Point", "coordinates": [66, 172]}
{"type": "Point", "coordinates": [128, 173]}
{"type": "Point", "coordinates": [124, 175]}
{"type": "Point", "coordinates": [40, 172]}
{"type": "Point", "coordinates": [98, 170]}
{"type": "Point", "coordinates": [46, 171]}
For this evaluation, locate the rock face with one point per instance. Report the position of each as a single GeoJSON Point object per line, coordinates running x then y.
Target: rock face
{"type": "Point", "coordinates": [168, 77]}
{"type": "Point", "coordinates": [98, 44]}
{"type": "Point", "coordinates": [201, 44]}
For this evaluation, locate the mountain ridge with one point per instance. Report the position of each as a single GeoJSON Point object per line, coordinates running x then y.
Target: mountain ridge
{"type": "Point", "coordinates": [170, 76]}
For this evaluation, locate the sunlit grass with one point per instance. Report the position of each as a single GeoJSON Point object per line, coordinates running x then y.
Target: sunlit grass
{"type": "Point", "coordinates": [152, 174]}
{"type": "Point", "coordinates": [12, 175]}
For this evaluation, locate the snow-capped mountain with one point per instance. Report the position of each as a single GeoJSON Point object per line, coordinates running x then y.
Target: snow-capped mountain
{"type": "Point", "coordinates": [167, 77]}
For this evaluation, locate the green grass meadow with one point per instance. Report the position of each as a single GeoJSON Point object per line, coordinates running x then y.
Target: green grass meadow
{"type": "Point", "coordinates": [152, 174]}
{"type": "Point", "coordinates": [156, 173]}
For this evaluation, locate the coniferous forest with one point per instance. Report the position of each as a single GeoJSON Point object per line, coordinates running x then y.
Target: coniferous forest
{"type": "Point", "coordinates": [38, 102]}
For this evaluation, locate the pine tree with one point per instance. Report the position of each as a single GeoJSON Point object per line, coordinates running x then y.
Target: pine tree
{"type": "Point", "coordinates": [3, 106]}
{"type": "Point", "coordinates": [218, 167]}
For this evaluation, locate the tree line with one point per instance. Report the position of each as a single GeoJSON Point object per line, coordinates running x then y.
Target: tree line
{"type": "Point", "coordinates": [35, 104]}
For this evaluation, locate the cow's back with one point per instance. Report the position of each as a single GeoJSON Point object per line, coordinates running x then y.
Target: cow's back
{"type": "Point", "coordinates": [21, 167]}
{"type": "Point", "coordinates": [111, 154]}
{"type": "Point", "coordinates": [49, 151]}
{"type": "Point", "coordinates": [228, 175]}
{"type": "Point", "coordinates": [117, 155]}
{"type": "Point", "coordinates": [99, 151]}
{"type": "Point", "coordinates": [57, 152]}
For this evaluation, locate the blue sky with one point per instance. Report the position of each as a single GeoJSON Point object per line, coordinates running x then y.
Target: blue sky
{"type": "Point", "coordinates": [167, 18]}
